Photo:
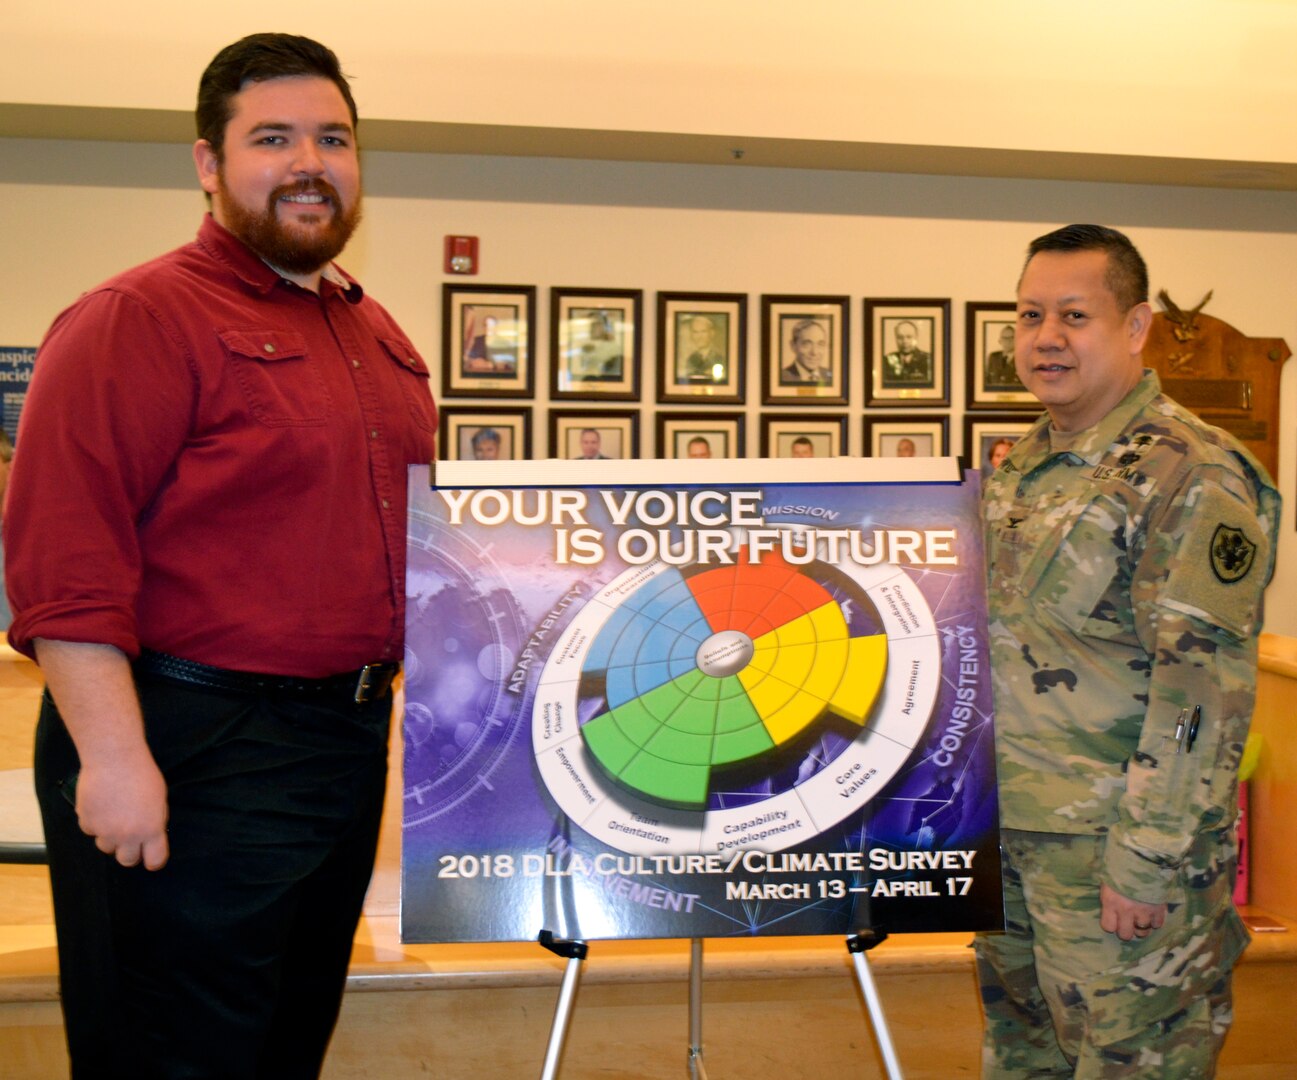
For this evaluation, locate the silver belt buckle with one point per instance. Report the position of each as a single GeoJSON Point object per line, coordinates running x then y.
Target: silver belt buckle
{"type": "Point", "coordinates": [365, 683]}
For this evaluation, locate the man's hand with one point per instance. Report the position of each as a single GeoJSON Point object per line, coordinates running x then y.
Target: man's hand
{"type": "Point", "coordinates": [121, 794]}
{"type": "Point", "coordinates": [124, 807]}
{"type": "Point", "coordinates": [1128, 918]}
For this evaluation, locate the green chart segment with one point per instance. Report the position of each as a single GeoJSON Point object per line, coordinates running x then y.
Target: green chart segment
{"type": "Point", "coordinates": [719, 667]}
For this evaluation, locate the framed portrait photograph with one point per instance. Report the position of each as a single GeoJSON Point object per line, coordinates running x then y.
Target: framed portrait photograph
{"type": "Point", "coordinates": [808, 435]}
{"type": "Point", "coordinates": [992, 380]}
{"type": "Point", "coordinates": [701, 435]}
{"type": "Point", "coordinates": [594, 347]}
{"type": "Point", "coordinates": [907, 352]}
{"type": "Point", "coordinates": [576, 435]}
{"type": "Point", "coordinates": [914, 435]}
{"type": "Point", "coordinates": [486, 340]}
{"type": "Point", "coordinates": [469, 434]}
{"type": "Point", "coordinates": [804, 343]}
{"type": "Point", "coordinates": [988, 439]}
{"type": "Point", "coordinates": [701, 346]}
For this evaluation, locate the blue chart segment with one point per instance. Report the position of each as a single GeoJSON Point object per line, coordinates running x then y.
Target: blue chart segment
{"type": "Point", "coordinates": [717, 667]}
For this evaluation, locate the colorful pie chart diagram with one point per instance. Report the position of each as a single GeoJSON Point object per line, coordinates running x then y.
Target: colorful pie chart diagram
{"type": "Point", "coordinates": [672, 681]}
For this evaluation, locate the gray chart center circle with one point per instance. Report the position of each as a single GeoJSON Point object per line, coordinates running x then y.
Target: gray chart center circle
{"type": "Point", "coordinates": [724, 653]}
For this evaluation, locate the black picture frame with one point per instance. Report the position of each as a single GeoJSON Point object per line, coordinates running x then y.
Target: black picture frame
{"type": "Point", "coordinates": [618, 430]}
{"type": "Point", "coordinates": [702, 347]}
{"type": "Point", "coordinates": [825, 433]}
{"type": "Point", "coordinates": [991, 381]}
{"type": "Point", "coordinates": [595, 346]}
{"type": "Point", "coordinates": [487, 336]}
{"type": "Point", "coordinates": [723, 433]}
{"type": "Point", "coordinates": [928, 434]}
{"type": "Point", "coordinates": [983, 430]}
{"type": "Point", "coordinates": [467, 433]}
{"type": "Point", "coordinates": [805, 349]}
{"type": "Point", "coordinates": [907, 353]}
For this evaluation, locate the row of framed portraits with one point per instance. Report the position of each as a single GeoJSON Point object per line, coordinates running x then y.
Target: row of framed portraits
{"type": "Point", "coordinates": [489, 331]}
{"type": "Point", "coordinates": [477, 433]}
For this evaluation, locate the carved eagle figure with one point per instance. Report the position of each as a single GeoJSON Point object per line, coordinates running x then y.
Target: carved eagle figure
{"type": "Point", "coordinates": [1184, 324]}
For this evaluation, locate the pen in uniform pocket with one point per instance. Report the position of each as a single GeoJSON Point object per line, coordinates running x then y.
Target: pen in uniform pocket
{"type": "Point", "coordinates": [1193, 728]}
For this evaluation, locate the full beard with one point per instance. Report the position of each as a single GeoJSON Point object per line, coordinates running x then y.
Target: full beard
{"type": "Point", "coordinates": [291, 248]}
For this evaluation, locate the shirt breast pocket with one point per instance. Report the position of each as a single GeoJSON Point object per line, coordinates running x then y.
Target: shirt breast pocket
{"type": "Point", "coordinates": [1076, 573]}
{"type": "Point", "coordinates": [283, 385]}
{"type": "Point", "coordinates": [415, 380]}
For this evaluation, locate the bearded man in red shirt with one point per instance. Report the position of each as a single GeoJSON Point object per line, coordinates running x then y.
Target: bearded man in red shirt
{"type": "Point", "coordinates": [206, 536]}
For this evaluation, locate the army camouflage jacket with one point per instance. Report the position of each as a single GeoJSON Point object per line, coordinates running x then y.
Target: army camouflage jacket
{"type": "Point", "coordinates": [1126, 567]}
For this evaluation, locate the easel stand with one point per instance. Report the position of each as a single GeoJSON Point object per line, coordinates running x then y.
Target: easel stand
{"type": "Point", "coordinates": [857, 946]}
{"type": "Point", "coordinates": [697, 1070]}
{"type": "Point", "coordinates": [576, 951]}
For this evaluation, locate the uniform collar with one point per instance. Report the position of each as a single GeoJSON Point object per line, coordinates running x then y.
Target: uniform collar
{"type": "Point", "coordinates": [227, 249]}
{"type": "Point", "coordinates": [1089, 446]}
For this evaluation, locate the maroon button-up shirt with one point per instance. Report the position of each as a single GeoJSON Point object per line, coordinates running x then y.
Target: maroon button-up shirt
{"type": "Point", "coordinates": [212, 463]}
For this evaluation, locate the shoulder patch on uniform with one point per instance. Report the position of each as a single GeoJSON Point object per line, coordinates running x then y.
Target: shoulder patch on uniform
{"type": "Point", "coordinates": [1232, 554]}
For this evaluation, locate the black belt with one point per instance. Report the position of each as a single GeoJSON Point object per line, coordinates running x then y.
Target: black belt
{"type": "Point", "coordinates": [360, 686]}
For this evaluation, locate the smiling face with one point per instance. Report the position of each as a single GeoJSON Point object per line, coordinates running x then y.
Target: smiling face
{"type": "Point", "coordinates": [287, 180]}
{"type": "Point", "coordinates": [1075, 349]}
{"type": "Point", "coordinates": [811, 344]}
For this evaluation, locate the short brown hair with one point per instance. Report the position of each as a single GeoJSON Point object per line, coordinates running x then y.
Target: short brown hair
{"type": "Point", "coordinates": [257, 58]}
{"type": "Point", "coordinates": [1127, 274]}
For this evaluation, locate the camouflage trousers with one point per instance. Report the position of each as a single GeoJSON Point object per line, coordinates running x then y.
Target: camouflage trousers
{"type": "Point", "coordinates": [1064, 999]}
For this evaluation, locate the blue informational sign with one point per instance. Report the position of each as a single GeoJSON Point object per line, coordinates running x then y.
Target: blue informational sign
{"type": "Point", "coordinates": [705, 709]}
{"type": "Point", "coordinates": [15, 375]}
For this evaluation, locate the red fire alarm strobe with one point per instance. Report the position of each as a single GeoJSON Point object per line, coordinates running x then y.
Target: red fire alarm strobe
{"type": "Point", "coordinates": [461, 254]}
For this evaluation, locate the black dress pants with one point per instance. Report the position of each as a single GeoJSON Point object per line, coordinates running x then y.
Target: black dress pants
{"type": "Point", "coordinates": [230, 961]}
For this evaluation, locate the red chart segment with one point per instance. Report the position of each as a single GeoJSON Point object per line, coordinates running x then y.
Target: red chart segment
{"type": "Point", "coordinates": [755, 598]}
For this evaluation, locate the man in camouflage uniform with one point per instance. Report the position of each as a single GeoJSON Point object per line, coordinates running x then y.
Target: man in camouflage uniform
{"type": "Point", "coordinates": [1128, 547]}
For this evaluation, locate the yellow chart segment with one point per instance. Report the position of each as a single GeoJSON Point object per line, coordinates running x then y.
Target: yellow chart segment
{"type": "Point", "coordinates": [808, 663]}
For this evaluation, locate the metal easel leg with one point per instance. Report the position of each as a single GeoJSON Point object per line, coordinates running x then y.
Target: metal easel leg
{"type": "Point", "coordinates": [858, 945]}
{"type": "Point", "coordinates": [697, 1070]}
{"type": "Point", "coordinates": [575, 952]}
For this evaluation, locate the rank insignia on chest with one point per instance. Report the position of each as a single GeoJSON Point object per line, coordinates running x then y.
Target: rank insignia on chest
{"type": "Point", "coordinates": [1121, 460]}
{"type": "Point", "coordinates": [1232, 554]}
{"type": "Point", "coordinates": [1008, 531]}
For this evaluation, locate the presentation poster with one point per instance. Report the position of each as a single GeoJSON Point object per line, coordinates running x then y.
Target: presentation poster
{"type": "Point", "coordinates": [16, 362]}
{"type": "Point", "coordinates": [703, 699]}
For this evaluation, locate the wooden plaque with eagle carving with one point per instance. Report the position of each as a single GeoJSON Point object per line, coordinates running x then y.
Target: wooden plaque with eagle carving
{"type": "Point", "coordinates": [1220, 374]}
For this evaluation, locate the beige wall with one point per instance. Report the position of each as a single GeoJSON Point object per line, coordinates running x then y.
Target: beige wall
{"type": "Point", "coordinates": [1199, 79]}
